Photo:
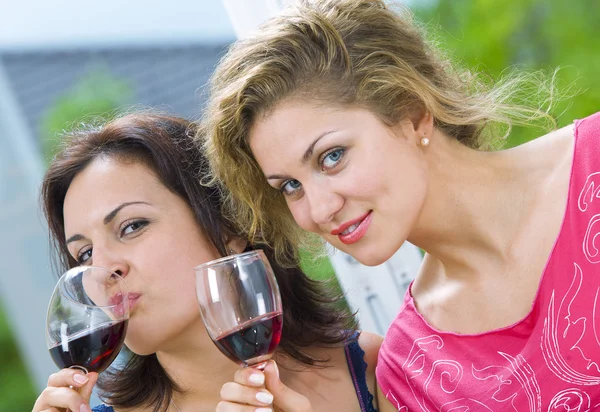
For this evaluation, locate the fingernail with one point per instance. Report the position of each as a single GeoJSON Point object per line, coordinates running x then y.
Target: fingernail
{"type": "Point", "coordinates": [276, 368]}
{"type": "Point", "coordinates": [79, 378]}
{"type": "Point", "coordinates": [84, 408]}
{"type": "Point", "coordinates": [264, 397]}
{"type": "Point", "coordinates": [263, 410]}
{"type": "Point", "coordinates": [257, 378]}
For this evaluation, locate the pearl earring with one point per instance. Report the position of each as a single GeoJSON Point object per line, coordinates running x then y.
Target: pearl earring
{"type": "Point", "coordinates": [424, 141]}
{"type": "Point", "coordinates": [231, 252]}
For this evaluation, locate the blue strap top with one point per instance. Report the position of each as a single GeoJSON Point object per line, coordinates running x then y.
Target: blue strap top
{"type": "Point", "coordinates": [357, 366]}
{"type": "Point", "coordinates": [103, 408]}
{"type": "Point", "coordinates": [355, 357]}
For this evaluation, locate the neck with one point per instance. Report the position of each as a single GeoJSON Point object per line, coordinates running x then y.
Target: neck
{"type": "Point", "coordinates": [476, 206]}
{"type": "Point", "coordinates": [197, 367]}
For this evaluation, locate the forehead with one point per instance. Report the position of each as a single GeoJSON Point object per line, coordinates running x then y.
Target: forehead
{"type": "Point", "coordinates": [292, 126]}
{"type": "Point", "coordinates": [292, 123]}
{"type": "Point", "coordinates": [105, 183]}
{"type": "Point", "coordinates": [291, 113]}
{"type": "Point", "coordinates": [108, 175]}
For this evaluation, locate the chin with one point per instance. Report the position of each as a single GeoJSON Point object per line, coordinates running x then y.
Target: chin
{"type": "Point", "coordinates": [139, 348]}
{"type": "Point", "coordinates": [373, 256]}
{"type": "Point", "coordinates": [368, 258]}
{"type": "Point", "coordinates": [372, 260]}
{"type": "Point", "coordinates": [140, 344]}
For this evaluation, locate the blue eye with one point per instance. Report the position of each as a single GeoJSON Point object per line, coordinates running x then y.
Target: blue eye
{"type": "Point", "coordinates": [331, 159]}
{"type": "Point", "coordinates": [290, 187]}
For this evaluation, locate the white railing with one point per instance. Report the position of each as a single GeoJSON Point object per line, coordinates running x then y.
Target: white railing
{"type": "Point", "coordinates": [377, 292]}
{"type": "Point", "coordinates": [26, 280]}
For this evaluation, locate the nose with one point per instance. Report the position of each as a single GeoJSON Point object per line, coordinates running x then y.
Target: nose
{"type": "Point", "coordinates": [324, 203]}
{"type": "Point", "coordinates": [120, 269]}
{"type": "Point", "coordinates": [108, 259]}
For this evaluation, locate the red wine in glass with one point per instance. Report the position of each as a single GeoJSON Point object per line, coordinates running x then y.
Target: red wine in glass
{"type": "Point", "coordinates": [87, 318]}
{"type": "Point", "coordinates": [93, 349]}
{"type": "Point", "coordinates": [241, 306]}
{"type": "Point", "coordinates": [253, 341]}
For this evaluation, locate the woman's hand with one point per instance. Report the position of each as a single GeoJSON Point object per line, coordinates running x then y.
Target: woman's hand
{"type": "Point", "coordinates": [68, 389]}
{"type": "Point", "coordinates": [255, 391]}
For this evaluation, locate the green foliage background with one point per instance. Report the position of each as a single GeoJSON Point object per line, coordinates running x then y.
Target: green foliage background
{"type": "Point", "coordinates": [18, 393]}
{"type": "Point", "coordinates": [486, 35]}
{"type": "Point", "coordinates": [492, 36]}
{"type": "Point", "coordinates": [97, 95]}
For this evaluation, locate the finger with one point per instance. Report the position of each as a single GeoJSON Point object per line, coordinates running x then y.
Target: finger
{"type": "Point", "coordinates": [68, 377]}
{"type": "Point", "coordinates": [237, 393]}
{"type": "Point", "coordinates": [48, 410]}
{"type": "Point", "coordinates": [86, 390]}
{"type": "Point", "coordinates": [236, 407]}
{"type": "Point", "coordinates": [285, 398]}
{"type": "Point", "coordinates": [53, 398]}
{"type": "Point", "coordinates": [249, 377]}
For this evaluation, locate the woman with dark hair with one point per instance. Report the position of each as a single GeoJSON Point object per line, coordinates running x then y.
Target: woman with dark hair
{"type": "Point", "coordinates": [126, 196]}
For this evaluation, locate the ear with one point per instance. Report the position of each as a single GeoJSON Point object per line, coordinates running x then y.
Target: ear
{"type": "Point", "coordinates": [236, 244]}
{"type": "Point", "coordinates": [424, 125]}
{"type": "Point", "coordinates": [417, 126]}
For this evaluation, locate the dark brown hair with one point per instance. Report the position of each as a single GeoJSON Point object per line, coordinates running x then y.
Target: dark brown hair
{"type": "Point", "coordinates": [312, 311]}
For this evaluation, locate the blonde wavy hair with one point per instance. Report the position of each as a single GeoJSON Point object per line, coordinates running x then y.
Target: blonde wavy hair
{"type": "Point", "coordinates": [360, 53]}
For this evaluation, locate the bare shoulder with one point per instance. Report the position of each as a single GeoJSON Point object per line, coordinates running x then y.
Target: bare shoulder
{"type": "Point", "coordinates": [370, 344]}
{"type": "Point", "coordinates": [547, 158]}
{"type": "Point", "coordinates": [557, 148]}
{"type": "Point", "coordinates": [556, 141]}
{"type": "Point", "coordinates": [562, 136]}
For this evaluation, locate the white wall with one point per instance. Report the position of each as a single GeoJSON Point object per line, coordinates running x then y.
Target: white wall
{"type": "Point", "coordinates": [58, 24]}
{"type": "Point", "coordinates": [26, 280]}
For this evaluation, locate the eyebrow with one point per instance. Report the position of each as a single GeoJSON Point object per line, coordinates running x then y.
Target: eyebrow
{"type": "Point", "coordinates": [107, 219]}
{"type": "Point", "coordinates": [74, 238]}
{"type": "Point", "coordinates": [306, 156]}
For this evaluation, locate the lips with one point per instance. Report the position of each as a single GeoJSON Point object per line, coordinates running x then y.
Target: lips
{"type": "Point", "coordinates": [353, 230]}
{"type": "Point", "coordinates": [133, 298]}
{"type": "Point", "coordinates": [116, 299]}
{"type": "Point", "coordinates": [118, 302]}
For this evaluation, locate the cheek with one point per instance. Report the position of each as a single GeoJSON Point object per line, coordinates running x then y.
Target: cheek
{"type": "Point", "coordinates": [152, 325]}
{"type": "Point", "coordinates": [405, 195]}
{"type": "Point", "coordinates": [301, 214]}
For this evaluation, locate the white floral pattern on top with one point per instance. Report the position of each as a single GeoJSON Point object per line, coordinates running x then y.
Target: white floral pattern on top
{"type": "Point", "coordinates": [547, 362]}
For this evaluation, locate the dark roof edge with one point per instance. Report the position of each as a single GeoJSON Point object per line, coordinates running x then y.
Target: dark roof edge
{"type": "Point", "coordinates": [102, 47]}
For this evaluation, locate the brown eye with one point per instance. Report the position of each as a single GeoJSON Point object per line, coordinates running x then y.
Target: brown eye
{"type": "Point", "coordinates": [133, 227]}
{"type": "Point", "coordinates": [84, 256]}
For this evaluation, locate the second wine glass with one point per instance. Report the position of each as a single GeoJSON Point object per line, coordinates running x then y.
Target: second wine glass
{"type": "Point", "coordinates": [241, 306]}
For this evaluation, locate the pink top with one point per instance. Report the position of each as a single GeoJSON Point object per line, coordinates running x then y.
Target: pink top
{"type": "Point", "coordinates": [548, 361]}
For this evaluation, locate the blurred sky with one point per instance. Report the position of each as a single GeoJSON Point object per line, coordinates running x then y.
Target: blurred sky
{"type": "Point", "coordinates": [58, 24]}
{"type": "Point", "coordinates": [42, 24]}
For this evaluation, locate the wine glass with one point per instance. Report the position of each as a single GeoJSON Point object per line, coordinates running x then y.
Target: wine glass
{"type": "Point", "coordinates": [87, 319]}
{"type": "Point", "coordinates": [241, 306]}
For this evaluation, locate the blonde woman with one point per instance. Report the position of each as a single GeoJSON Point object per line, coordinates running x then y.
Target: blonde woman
{"type": "Point", "coordinates": [340, 119]}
